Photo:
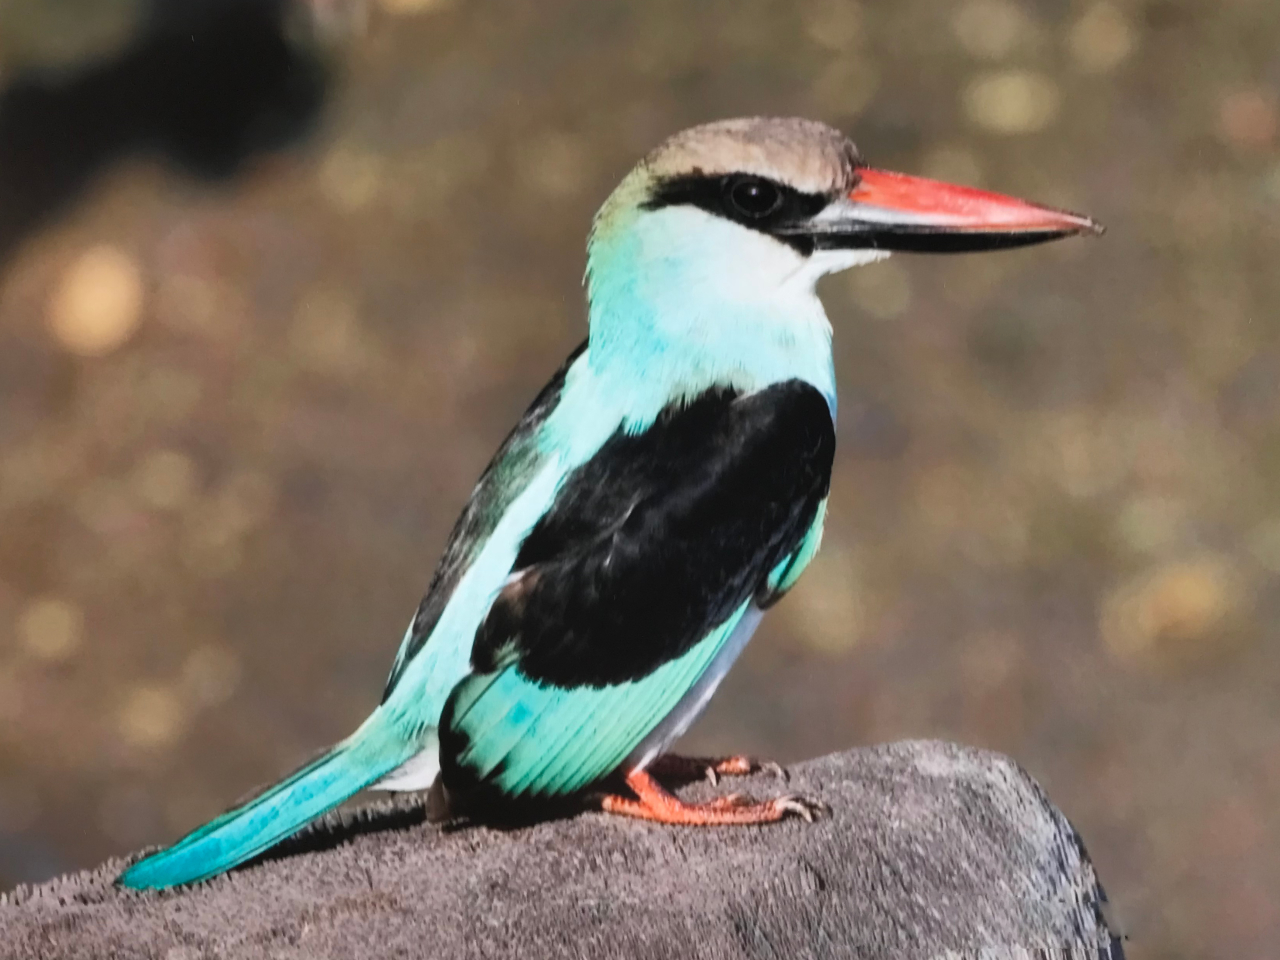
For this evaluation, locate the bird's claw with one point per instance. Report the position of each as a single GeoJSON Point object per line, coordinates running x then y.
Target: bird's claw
{"type": "Point", "coordinates": [745, 766]}
{"type": "Point", "coordinates": [712, 770]}
{"type": "Point", "coordinates": [807, 808]}
{"type": "Point", "coordinates": [775, 770]}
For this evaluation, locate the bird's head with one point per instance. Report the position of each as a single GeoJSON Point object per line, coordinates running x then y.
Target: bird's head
{"type": "Point", "coordinates": [760, 202]}
{"type": "Point", "coordinates": [702, 263]}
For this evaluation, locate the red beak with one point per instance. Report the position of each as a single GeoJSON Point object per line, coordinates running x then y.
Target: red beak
{"type": "Point", "coordinates": [893, 211]}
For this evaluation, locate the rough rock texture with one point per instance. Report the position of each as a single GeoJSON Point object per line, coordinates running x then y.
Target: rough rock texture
{"type": "Point", "coordinates": [932, 850]}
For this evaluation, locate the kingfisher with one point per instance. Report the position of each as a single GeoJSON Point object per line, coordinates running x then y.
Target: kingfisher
{"type": "Point", "coordinates": [665, 489]}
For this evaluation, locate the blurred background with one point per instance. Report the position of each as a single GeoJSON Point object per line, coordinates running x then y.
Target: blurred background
{"type": "Point", "coordinates": [276, 278]}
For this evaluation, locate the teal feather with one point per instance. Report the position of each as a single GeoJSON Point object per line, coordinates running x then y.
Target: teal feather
{"type": "Point", "coordinates": [784, 575]}
{"type": "Point", "coordinates": [499, 732]}
{"type": "Point", "coordinates": [539, 740]}
{"type": "Point", "coordinates": [566, 754]}
{"type": "Point", "coordinates": [243, 833]}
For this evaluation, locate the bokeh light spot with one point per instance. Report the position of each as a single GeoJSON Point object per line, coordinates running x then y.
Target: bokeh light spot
{"type": "Point", "coordinates": [1012, 101]}
{"type": "Point", "coordinates": [51, 629]}
{"type": "Point", "coordinates": [834, 24]}
{"type": "Point", "coordinates": [410, 7]}
{"type": "Point", "coordinates": [96, 305]}
{"type": "Point", "coordinates": [1248, 119]}
{"type": "Point", "coordinates": [990, 29]}
{"type": "Point", "coordinates": [351, 177]}
{"type": "Point", "coordinates": [1181, 611]}
{"type": "Point", "coordinates": [152, 717]}
{"type": "Point", "coordinates": [1101, 39]}
{"type": "Point", "coordinates": [326, 334]}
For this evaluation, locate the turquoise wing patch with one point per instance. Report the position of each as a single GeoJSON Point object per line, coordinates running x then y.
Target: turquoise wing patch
{"type": "Point", "coordinates": [784, 576]}
{"type": "Point", "coordinates": [531, 739]}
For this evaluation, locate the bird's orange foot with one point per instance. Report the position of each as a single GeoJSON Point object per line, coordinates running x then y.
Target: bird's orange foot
{"type": "Point", "coordinates": [671, 766]}
{"type": "Point", "coordinates": [652, 802]}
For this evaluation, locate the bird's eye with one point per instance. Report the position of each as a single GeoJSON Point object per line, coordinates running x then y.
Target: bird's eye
{"type": "Point", "coordinates": [754, 198]}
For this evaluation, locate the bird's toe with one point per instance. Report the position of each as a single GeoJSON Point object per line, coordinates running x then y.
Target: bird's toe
{"type": "Point", "coordinates": [807, 808]}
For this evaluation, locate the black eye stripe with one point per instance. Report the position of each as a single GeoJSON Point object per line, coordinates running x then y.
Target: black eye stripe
{"type": "Point", "coordinates": [731, 196]}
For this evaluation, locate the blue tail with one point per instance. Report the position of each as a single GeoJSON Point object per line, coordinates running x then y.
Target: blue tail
{"type": "Point", "coordinates": [240, 834]}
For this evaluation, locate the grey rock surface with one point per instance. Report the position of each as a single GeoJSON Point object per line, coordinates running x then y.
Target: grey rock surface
{"type": "Point", "coordinates": [932, 850]}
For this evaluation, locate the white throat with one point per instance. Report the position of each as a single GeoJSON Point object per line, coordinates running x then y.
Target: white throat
{"type": "Point", "coordinates": [682, 301]}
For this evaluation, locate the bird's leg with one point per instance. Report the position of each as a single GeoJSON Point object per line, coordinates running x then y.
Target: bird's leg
{"type": "Point", "coordinates": [653, 802]}
{"type": "Point", "coordinates": [672, 766]}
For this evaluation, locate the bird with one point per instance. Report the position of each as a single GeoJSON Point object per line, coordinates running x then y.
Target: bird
{"type": "Point", "coordinates": [662, 492]}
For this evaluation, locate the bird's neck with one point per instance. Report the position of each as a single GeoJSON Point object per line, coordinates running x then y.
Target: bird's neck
{"type": "Point", "coordinates": [680, 304]}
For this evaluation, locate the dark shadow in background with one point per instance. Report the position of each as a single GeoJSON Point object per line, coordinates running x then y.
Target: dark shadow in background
{"type": "Point", "coordinates": [206, 84]}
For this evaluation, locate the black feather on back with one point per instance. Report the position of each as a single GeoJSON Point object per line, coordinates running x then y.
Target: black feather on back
{"type": "Point", "coordinates": [660, 536]}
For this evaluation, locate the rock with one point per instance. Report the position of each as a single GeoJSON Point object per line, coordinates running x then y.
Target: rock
{"type": "Point", "coordinates": [931, 850]}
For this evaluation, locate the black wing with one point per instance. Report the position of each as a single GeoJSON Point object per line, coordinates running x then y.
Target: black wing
{"type": "Point", "coordinates": [660, 536]}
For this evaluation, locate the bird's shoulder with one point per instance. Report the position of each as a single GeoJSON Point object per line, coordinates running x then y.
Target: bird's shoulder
{"type": "Point", "coordinates": [719, 447]}
{"type": "Point", "coordinates": [515, 462]}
